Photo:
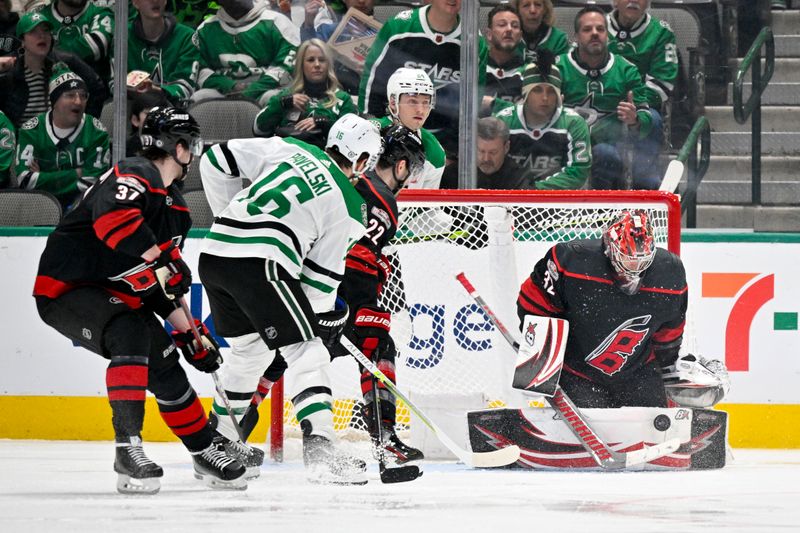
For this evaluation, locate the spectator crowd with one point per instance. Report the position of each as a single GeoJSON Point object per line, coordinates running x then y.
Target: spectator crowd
{"type": "Point", "coordinates": [556, 113]}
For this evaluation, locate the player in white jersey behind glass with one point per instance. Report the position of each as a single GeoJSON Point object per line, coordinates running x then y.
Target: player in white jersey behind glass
{"type": "Point", "coordinates": [271, 265]}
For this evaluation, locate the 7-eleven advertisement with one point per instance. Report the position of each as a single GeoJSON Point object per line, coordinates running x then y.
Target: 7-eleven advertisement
{"type": "Point", "coordinates": [744, 300]}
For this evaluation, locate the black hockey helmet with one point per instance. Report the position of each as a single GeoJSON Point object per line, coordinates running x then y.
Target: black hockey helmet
{"type": "Point", "coordinates": [165, 126]}
{"type": "Point", "coordinates": [401, 143]}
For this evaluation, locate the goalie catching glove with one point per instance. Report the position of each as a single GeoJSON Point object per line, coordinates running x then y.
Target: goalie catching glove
{"type": "Point", "coordinates": [205, 358]}
{"type": "Point", "coordinates": [694, 381]}
{"type": "Point", "coordinates": [172, 272]}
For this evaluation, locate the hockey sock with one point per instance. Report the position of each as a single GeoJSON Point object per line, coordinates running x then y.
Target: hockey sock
{"type": "Point", "coordinates": [186, 418]}
{"type": "Point", "coordinates": [387, 398]}
{"type": "Point", "coordinates": [315, 406]}
{"type": "Point", "coordinates": [126, 382]}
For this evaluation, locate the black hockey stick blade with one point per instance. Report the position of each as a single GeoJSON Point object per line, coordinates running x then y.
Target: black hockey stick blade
{"type": "Point", "coordinates": [399, 474]}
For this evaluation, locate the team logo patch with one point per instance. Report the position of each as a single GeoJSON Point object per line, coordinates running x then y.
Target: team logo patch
{"type": "Point", "coordinates": [87, 333]}
{"type": "Point", "coordinates": [271, 332]}
{"type": "Point", "coordinates": [114, 300]}
{"type": "Point", "coordinates": [169, 201]}
{"type": "Point", "coordinates": [612, 354]}
{"type": "Point", "coordinates": [552, 269]}
{"type": "Point", "coordinates": [364, 214]}
{"type": "Point", "coordinates": [530, 334]}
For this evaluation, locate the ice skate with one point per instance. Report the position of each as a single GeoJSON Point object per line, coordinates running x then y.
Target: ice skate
{"type": "Point", "coordinates": [327, 465]}
{"type": "Point", "coordinates": [218, 468]}
{"type": "Point", "coordinates": [251, 457]}
{"type": "Point", "coordinates": [137, 474]}
{"type": "Point", "coordinates": [393, 449]}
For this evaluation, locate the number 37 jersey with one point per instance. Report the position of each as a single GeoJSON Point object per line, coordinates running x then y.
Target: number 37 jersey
{"type": "Point", "coordinates": [611, 334]}
{"type": "Point", "coordinates": [299, 210]}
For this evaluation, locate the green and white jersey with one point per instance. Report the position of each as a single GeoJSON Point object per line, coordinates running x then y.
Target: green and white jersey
{"type": "Point", "coordinates": [173, 61]}
{"type": "Point", "coordinates": [7, 144]}
{"type": "Point", "coordinates": [274, 115]}
{"type": "Point", "coordinates": [545, 38]}
{"type": "Point", "coordinates": [595, 93]}
{"type": "Point", "coordinates": [556, 156]}
{"type": "Point", "coordinates": [89, 34]}
{"type": "Point", "coordinates": [407, 40]}
{"type": "Point", "coordinates": [300, 210]}
{"type": "Point", "coordinates": [58, 158]}
{"type": "Point", "coordinates": [259, 49]}
{"type": "Point", "coordinates": [435, 158]}
{"type": "Point", "coordinates": [650, 45]}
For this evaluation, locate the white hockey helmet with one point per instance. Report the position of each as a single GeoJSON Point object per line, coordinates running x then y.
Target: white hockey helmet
{"type": "Point", "coordinates": [409, 81]}
{"type": "Point", "coordinates": [353, 136]}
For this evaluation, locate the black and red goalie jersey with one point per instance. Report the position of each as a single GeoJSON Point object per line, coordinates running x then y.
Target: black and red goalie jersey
{"type": "Point", "coordinates": [101, 241]}
{"type": "Point", "coordinates": [365, 270]}
{"type": "Point", "coordinates": [611, 334]}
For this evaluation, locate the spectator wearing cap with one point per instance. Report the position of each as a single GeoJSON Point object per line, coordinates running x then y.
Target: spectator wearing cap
{"type": "Point", "coordinates": [62, 151]}
{"type": "Point", "coordinates": [549, 142]}
{"type": "Point", "coordinates": [25, 86]}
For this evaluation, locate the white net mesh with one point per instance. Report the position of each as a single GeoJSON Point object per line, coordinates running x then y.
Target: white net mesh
{"type": "Point", "coordinates": [446, 345]}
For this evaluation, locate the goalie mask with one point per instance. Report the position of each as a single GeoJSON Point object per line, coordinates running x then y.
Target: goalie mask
{"type": "Point", "coordinates": [630, 247]}
{"type": "Point", "coordinates": [402, 144]}
{"type": "Point", "coordinates": [354, 136]}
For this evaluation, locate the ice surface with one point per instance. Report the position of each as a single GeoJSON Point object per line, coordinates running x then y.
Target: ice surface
{"type": "Point", "coordinates": [54, 487]}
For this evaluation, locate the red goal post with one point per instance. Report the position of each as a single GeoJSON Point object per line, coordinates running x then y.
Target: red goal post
{"type": "Point", "coordinates": [444, 347]}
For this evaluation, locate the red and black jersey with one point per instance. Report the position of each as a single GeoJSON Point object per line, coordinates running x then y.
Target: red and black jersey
{"type": "Point", "coordinates": [101, 241]}
{"type": "Point", "coordinates": [363, 276]}
{"type": "Point", "coordinates": [611, 334]}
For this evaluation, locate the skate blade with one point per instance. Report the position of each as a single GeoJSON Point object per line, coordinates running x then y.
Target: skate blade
{"type": "Point", "coordinates": [215, 483]}
{"type": "Point", "coordinates": [129, 485]}
{"type": "Point", "coordinates": [252, 472]}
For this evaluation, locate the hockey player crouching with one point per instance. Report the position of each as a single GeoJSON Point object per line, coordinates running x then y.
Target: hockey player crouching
{"type": "Point", "coordinates": [271, 265]}
{"type": "Point", "coordinates": [99, 285]}
{"type": "Point", "coordinates": [366, 269]}
{"type": "Point", "coordinates": [625, 301]}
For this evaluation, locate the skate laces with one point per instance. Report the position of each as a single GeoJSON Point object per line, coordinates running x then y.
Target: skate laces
{"type": "Point", "coordinates": [137, 454]}
{"type": "Point", "coordinates": [217, 457]}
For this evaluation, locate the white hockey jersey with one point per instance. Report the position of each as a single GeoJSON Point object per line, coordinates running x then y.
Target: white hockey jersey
{"type": "Point", "coordinates": [300, 210]}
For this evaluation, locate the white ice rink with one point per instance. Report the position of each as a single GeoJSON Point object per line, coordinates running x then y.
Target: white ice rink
{"type": "Point", "coordinates": [70, 487]}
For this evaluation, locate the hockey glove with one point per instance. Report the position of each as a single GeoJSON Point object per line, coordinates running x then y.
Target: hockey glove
{"type": "Point", "coordinates": [331, 324]}
{"type": "Point", "coordinates": [172, 272]}
{"type": "Point", "coordinates": [694, 381]}
{"type": "Point", "coordinates": [205, 358]}
{"type": "Point", "coordinates": [371, 329]}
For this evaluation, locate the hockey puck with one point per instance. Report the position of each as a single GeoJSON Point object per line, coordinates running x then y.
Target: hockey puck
{"type": "Point", "coordinates": [662, 423]}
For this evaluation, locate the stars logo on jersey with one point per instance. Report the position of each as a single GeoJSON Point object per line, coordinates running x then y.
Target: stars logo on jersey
{"type": "Point", "coordinates": [612, 354]}
{"type": "Point", "coordinates": [586, 108]}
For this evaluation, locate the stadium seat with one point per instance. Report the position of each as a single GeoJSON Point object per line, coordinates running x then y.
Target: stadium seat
{"type": "Point", "coordinates": [193, 182]}
{"type": "Point", "coordinates": [224, 119]}
{"type": "Point", "coordinates": [28, 208]}
{"type": "Point", "coordinates": [202, 217]}
{"type": "Point", "coordinates": [107, 117]}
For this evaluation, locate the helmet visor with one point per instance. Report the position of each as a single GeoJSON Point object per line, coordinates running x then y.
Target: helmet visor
{"type": "Point", "coordinates": [196, 146]}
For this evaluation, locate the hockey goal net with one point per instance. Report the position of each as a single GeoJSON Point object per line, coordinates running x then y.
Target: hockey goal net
{"type": "Point", "coordinates": [450, 359]}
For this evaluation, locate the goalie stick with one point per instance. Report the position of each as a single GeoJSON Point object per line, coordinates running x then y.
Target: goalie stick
{"type": "Point", "coordinates": [603, 454]}
{"type": "Point", "coordinates": [502, 457]}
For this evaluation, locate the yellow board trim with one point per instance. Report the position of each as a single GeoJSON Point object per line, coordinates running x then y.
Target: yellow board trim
{"type": "Point", "coordinates": [89, 418]}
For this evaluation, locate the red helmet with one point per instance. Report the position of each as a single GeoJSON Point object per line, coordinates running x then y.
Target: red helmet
{"type": "Point", "coordinates": [629, 243]}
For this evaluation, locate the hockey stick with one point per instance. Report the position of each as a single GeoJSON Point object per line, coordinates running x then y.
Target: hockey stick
{"type": "Point", "coordinates": [602, 453]}
{"type": "Point", "coordinates": [502, 457]}
{"type": "Point", "coordinates": [214, 376]}
{"type": "Point", "coordinates": [399, 474]}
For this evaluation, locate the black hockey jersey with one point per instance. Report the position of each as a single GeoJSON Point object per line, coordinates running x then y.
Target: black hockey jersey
{"type": "Point", "coordinates": [363, 276]}
{"type": "Point", "coordinates": [101, 241]}
{"type": "Point", "coordinates": [611, 334]}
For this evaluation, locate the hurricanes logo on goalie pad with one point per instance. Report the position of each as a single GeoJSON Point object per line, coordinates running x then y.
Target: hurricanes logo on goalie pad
{"type": "Point", "coordinates": [530, 334]}
{"type": "Point", "coordinates": [612, 354]}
